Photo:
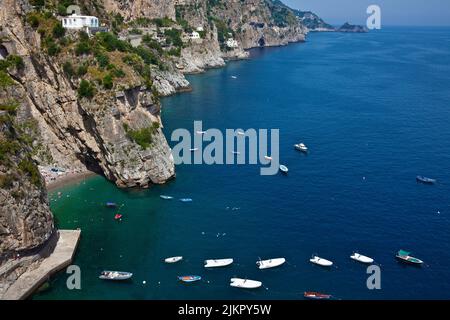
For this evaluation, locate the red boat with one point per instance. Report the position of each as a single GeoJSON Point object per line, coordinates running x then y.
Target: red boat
{"type": "Point", "coordinates": [118, 216]}
{"type": "Point", "coordinates": [317, 296]}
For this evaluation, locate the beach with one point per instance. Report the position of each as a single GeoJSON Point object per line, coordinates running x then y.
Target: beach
{"type": "Point", "coordinates": [56, 178]}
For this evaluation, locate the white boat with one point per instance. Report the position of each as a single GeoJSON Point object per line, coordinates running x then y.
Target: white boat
{"type": "Point", "coordinates": [271, 263]}
{"type": "Point", "coordinates": [321, 261]}
{"type": "Point", "coordinates": [215, 263]}
{"type": "Point", "coordinates": [200, 132]}
{"type": "Point", "coordinates": [193, 149]}
{"type": "Point", "coordinates": [361, 258]}
{"type": "Point", "coordinates": [301, 147]}
{"type": "Point", "coordinates": [115, 275]}
{"type": "Point", "coordinates": [173, 259]}
{"type": "Point", "coordinates": [241, 133]}
{"type": "Point", "coordinates": [235, 152]}
{"type": "Point", "coordinates": [283, 168]}
{"type": "Point", "coordinates": [162, 196]}
{"type": "Point", "coordinates": [268, 158]}
{"type": "Point", "coordinates": [233, 77]}
{"type": "Point", "coordinates": [245, 283]}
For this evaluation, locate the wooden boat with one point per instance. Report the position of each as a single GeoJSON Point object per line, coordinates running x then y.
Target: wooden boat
{"type": "Point", "coordinates": [425, 180]}
{"type": "Point", "coordinates": [284, 169]}
{"type": "Point", "coordinates": [271, 263]}
{"type": "Point", "coordinates": [321, 261]}
{"type": "Point", "coordinates": [189, 278]}
{"type": "Point", "coordinates": [404, 256]}
{"type": "Point", "coordinates": [186, 200]}
{"type": "Point", "coordinates": [316, 295]}
{"type": "Point", "coordinates": [301, 147]}
{"type": "Point", "coordinates": [361, 258]}
{"type": "Point", "coordinates": [111, 205]}
{"type": "Point", "coordinates": [115, 275]}
{"type": "Point", "coordinates": [245, 283]}
{"type": "Point", "coordinates": [173, 259]}
{"type": "Point", "coordinates": [218, 263]}
{"type": "Point", "coordinates": [166, 197]}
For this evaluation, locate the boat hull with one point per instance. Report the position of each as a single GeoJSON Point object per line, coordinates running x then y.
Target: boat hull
{"type": "Point", "coordinates": [410, 260]}
{"type": "Point", "coordinates": [245, 283]}
{"type": "Point", "coordinates": [316, 296]}
{"type": "Point", "coordinates": [360, 258]}
{"type": "Point", "coordinates": [173, 259]}
{"type": "Point", "coordinates": [272, 263]}
{"type": "Point", "coordinates": [321, 262]}
{"type": "Point", "coordinates": [115, 275]}
{"type": "Point", "coordinates": [218, 263]}
{"type": "Point", "coordinates": [189, 279]}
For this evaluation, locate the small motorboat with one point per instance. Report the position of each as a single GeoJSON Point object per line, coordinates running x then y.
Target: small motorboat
{"type": "Point", "coordinates": [193, 149]}
{"type": "Point", "coordinates": [241, 133]}
{"type": "Point", "coordinates": [268, 158]}
{"type": "Point", "coordinates": [111, 205]}
{"type": "Point", "coordinates": [271, 263]}
{"type": "Point", "coordinates": [235, 152]}
{"type": "Point", "coordinates": [316, 295]}
{"type": "Point", "coordinates": [200, 132]}
{"type": "Point", "coordinates": [245, 283]}
{"type": "Point", "coordinates": [115, 275]}
{"type": "Point", "coordinates": [404, 256]}
{"type": "Point", "coordinates": [283, 169]}
{"type": "Point", "coordinates": [189, 278]}
{"type": "Point", "coordinates": [216, 263]}
{"type": "Point", "coordinates": [118, 216]}
{"type": "Point", "coordinates": [361, 258]}
{"type": "Point", "coordinates": [425, 180]}
{"type": "Point", "coordinates": [301, 147]}
{"type": "Point", "coordinates": [321, 261]}
{"type": "Point", "coordinates": [233, 77]}
{"type": "Point", "coordinates": [173, 259]}
{"type": "Point", "coordinates": [186, 200]}
{"type": "Point", "coordinates": [166, 197]}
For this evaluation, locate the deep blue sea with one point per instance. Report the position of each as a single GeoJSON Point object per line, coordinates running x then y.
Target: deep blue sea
{"type": "Point", "coordinates": [374, 110]}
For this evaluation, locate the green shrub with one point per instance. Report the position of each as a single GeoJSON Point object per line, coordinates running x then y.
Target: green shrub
{"type": "Point", "coordinates": [163, 22]}
{"type": "Point", "coordinates": [8, 148]}
{"type": "Point", "coordinates": [174, 52]}
{"type": "Point", "coordinates": [6, 181]}
{"type": "Point", "coordinates": [58, 30]}
{"type": "Point", "coordinates": [82, 70]}
{"type": "Point", "coordinates": [10, 106]}
{"type": "Point", "coordinates": [173, 37]}
{"type": "Point", "coordinates": [102, 60]}
{"type": "Point", "coordinates": [68, 68]}
{"type": "Point", "coordinates": [144, 136]}
{"type": "Point", "coordinates": [28, 167]}
{"type": "Point", "coordinates": [83, 47]}
{"type": "Point", "coordinates": [33, 21]}
{"type": "Point", "coordinates": [5, 79]}
{"type": "Point", "coordinates": [111, 43]}
{"type": "Point", "coordinates": [86, 89]}
{"type": "Point", "coordinates": [107, 81]}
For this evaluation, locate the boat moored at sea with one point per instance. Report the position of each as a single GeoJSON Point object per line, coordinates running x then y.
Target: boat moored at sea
{"type": "Point", "coordinates": [271, 263]}
{"type": "Point", "coordinates": [425, 180]}
{"type": "Point", "coordinates": [166, 197]}
{"type": "Point", "coordinates": [245, 283]}
{"type": "Point", "coordinates": [321, 261]}
{"type": "Point", "coordinates": [284, 169]}
{"type": "Point", "coordinates": [189, 278]}
{"type": "Point", "coordinates": [316, 295]}
{"type": "Point", "coordinates": [216, 263]}
{"type": "Point", "coordinates": [186, 200]}
{"type": "Point", "coordinates": [268, 158]}
{"type": "Point", "coordinates": [359, 257]}
{"type": "Point", "coordinates": [118, 216]}
{"type": "Point", "coordinates": [404, 256]}
{"type": "Point", "coordinates": [301, 147]}
{"type": "Point", "coordinates": [115, 275]}
{"type": "Point", "coordinates": [111, 205]}
{"type": "Point", "coordinates": [173, 259]}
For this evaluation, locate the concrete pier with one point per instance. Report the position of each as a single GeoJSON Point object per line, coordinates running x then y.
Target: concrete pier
{"type": "Point", "coordinates": [60, 258]}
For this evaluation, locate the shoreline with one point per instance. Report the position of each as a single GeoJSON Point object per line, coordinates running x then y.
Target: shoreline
{"type": "Point", "coordinates": [68, 179]}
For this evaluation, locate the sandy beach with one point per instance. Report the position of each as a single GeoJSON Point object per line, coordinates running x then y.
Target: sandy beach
{"type": "Point", "coordinates": [58, 179]}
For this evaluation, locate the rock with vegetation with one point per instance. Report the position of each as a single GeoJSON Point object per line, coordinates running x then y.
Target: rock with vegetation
{"type": "Point", "coordinates": [347, 27]}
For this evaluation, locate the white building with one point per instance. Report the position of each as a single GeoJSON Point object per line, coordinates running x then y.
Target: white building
{"type": "Point", "coordinates": [231, 43]}
{"type": "Point", "coordinates": [194, 35]}
{"type": "Point", "coordinates": [78, 22]}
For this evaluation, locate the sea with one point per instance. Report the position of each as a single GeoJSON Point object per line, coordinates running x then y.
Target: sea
{"type": "Point", "coordinates": [374, 110]}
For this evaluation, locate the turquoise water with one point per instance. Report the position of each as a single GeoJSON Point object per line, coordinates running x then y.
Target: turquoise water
{"type": "Point", "coordinates": [374, 110]}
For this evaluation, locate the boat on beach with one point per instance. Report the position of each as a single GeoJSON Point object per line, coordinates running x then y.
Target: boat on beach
{"type": "Point", "coordinates": [173, 259]}
{"type": "Point", "coordinates": [166, 197]}
{"type": "Point", "coordinates": [284, 169]}
{"type": "Point", "coordinates": [216, 263]}
{"type": "Point", "coordinates": [301, 147]}
{"type": "Point", "coordinates": [425, 180]}
{"type": "Point", "coordinates": [361, 258]}
{"type": "Point", "coordinates": [271, 263]}
{"type": "Point", "coordinates": [316, 295]}
{"type": "Point", "coordinates": [321, 261]}
{"type": "Point", "coordinates": [115, 275]}
{"type": "Point", "coordinates": [404, 256]}
{"type": "Point", "coordinates": [189, 278]}
{"type": "Point", "coordinates": [245, 283]}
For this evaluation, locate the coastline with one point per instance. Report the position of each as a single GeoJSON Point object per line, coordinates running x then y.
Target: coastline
{"type": "Point", "coordinates": [68, 179]}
